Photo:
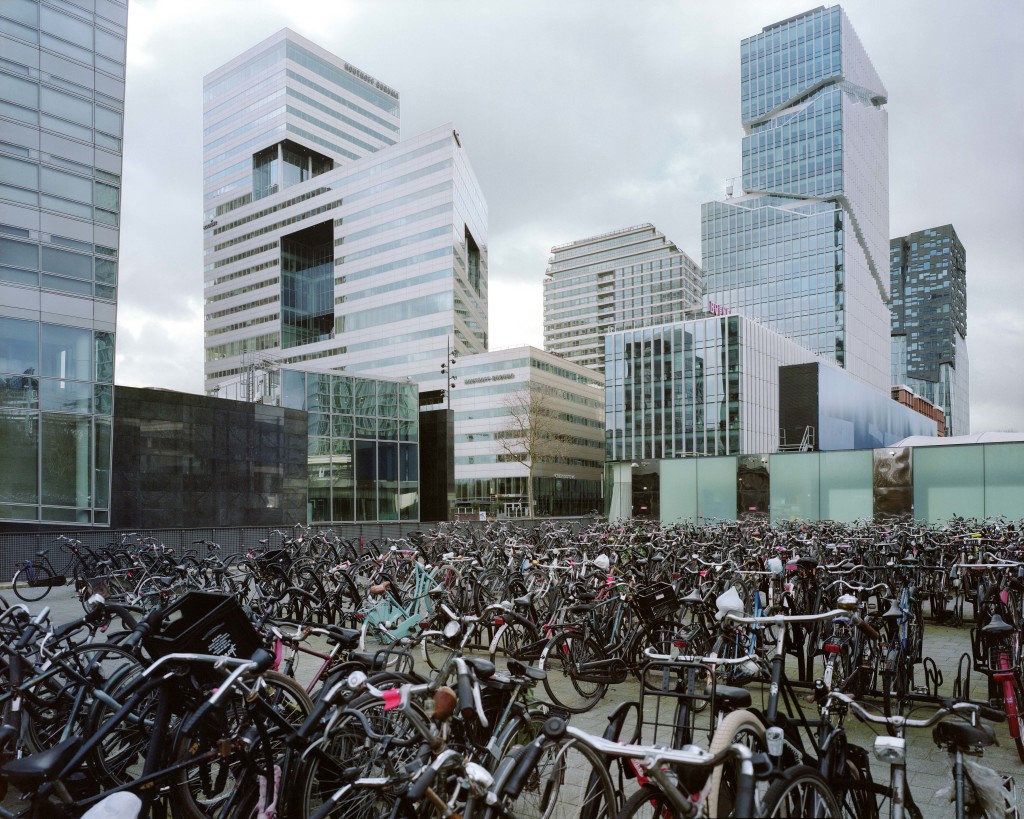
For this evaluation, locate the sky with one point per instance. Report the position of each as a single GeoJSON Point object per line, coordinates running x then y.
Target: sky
{"type": "Point", "coordinates": [581, 117]}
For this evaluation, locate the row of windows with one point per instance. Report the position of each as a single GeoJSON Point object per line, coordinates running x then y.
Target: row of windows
{"type": "Point", "coordinates": [28, 348]}
{"type": "Point", "coordinates": [291, 220]}
{"type": "Point", "coordinates": [444, 230]}
{"type": "Point", "coordinates": [254, 252]}
{"type": "Point", "coordinates": [384, 227]}
{"type": "Point", "coordinates": [239, 291]}
{"type": "Point", "coordinates": [55, 30]}
{"type": "Point", "coordinates": [233, 348]}
{"type": "Point", "coordinates": [573, 261]}
{"type": "Point", "coordinates": [240, 325]}
{"type": "Point", "coordinates": [391, 287]}
{"type": "Point", "coordinates": [399, 311]}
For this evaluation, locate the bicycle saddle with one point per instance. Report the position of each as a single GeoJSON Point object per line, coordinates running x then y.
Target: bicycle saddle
{"type": "Point", "coordinates": [806, 563]}
{"type": "Point", "coordinates": [525, 600]}
{"type": "Point", "coordinates": [345, 637]}
{"type": "Point", "coordinates": [692, 596]}
{"type": "Point", "coordinates": [731, 698]}
{"type": "Point", "coordinates": [963, 735]}
{"type": "Point", "coordinates": [997, 625]}
{"type": "Point", "coordinates": [520, 669]}
{"type": "Point", "coordinates": [484, 669]}
{"type": "Point", "coordinates": [894, 610]}
{"type": "Point", "coordinates": [29, 772]}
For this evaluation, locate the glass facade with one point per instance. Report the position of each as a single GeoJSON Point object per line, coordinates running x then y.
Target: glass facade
{"type": "Point", "coordinates": [502, 399]}
{"type": "Point", "coordinates": [702, 387]}
{"type": "Point", "coordinates": [929, 321]}
{"type": "Point", "coordinates": [183, 461]}
{"type": "Point", "coordinates": [802, 248]}
{"type": "Point", "coordinates": [323, 228]}
{"type": "Point", "coordinates": [928, 483]}
{"type": "Point", "coordinates": [616, 281]}
{"type": "Point", "coordinates": [362, 447]}
{"type": "Point", "coordinates": [61, 117]}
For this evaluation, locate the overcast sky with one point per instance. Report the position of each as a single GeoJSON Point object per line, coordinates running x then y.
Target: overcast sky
{"type": "Point", "coordinates": [580, 117]}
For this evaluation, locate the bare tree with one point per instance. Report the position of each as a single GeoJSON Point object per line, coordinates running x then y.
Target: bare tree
{"type": "Point", "coordinates": [531, 435]}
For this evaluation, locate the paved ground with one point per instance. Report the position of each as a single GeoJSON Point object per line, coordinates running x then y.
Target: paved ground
{"type": "Point", "coordinates": [928, 768]}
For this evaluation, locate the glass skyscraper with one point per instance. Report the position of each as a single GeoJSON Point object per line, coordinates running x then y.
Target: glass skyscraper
{"type": "Point", "coordinates": [929, 321]}
{"type": "Point", "coordinates": [802, 249]}
{"type": "Point", "coordinates": [628, 278]}
{"type": "Point", "coordinates": [328, 239]}
{"type": "Point", "coordinates": [61, 110]}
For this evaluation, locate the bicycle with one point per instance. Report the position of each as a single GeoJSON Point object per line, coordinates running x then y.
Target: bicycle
{"type": "Point", "coordinates": [976, 791]}
{"type": "Point", "coordinates": [34, 577]}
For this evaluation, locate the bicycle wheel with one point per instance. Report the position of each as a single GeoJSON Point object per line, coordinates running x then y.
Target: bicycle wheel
{"type": "Point", "coordinates": [32, 584]}
{"type": "Point", "coordinates": [871, 799]}
{"type": "Point", "coordinates": [60, 704]}
{"type": "Point", "coordinates": [800, 792]}
{"type": "Point", "coordinates": [895, 686]}
{"type": "Point", "coordinates": [514, 639]}
{"type": "Point", "coordinates": [738, 726]}
{"type": "Point", "coordinates": [570, 781]}
{"type": "Point", "coordinates": [569, 683]}
{"type": "Point", "coordinates": [649, 801]}
{"type": "Point", "coordinates": [201, 789]}
{"type": "Point", "coordinates": [1011, 694]}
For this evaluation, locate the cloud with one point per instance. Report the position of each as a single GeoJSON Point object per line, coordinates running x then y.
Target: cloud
{"type": "Point", "coordinates": [585, 116]}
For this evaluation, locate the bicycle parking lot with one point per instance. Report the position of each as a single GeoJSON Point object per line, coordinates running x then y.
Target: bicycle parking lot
{"type": "Point", "coordinates": [450, 588]}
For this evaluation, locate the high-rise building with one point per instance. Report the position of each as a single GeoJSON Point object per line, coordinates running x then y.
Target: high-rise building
{"type": "Point", "coordinates": [61, 113]}
{"type": "Point", "coordinates": [929, 321]}
{"type": "Point", "coordinates": [628, 278]}
{"type": "Point", "coordinates": [802, 249]}
{"type": "Point", "coordinates": [327, 239]}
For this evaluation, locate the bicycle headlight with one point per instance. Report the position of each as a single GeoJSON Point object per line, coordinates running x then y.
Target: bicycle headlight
{"type": "Point", "coordinates": [94, 602]}
{"type": "Point", "coordinates": [891, 750]}
{"type": "Point", "coordinates": [451, 629]}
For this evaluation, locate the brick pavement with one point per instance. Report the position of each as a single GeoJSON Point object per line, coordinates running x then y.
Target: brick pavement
{"type": "Point", "coordinates": [927, 766]}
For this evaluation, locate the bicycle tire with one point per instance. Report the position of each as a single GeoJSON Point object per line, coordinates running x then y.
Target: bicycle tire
{"type": "Point", "coordinates": [895, 686]}
{"type": "Point", "coordinates": [874, 800]}
{"type": "Point", "coordinates": [738, 726]}
{"type": "Point", "coordinates": [32, 590]}
{"type": "Point", "coordinates": [342, 756]}
{"type": "Point", "coordinates": [570, 781]}
{"type": "Point", "coordinates": [62, 702]}
{"type": "Point", "coordinates": [1014, 719]}
{"type": "Point", "coordinates": [800, 792]}
{"type": "Point", "coordinates": [561, 659]}
{"type": "Point", "coordinates": [649, 801]}
{"type": "Point", "coordinates": [200, 790]}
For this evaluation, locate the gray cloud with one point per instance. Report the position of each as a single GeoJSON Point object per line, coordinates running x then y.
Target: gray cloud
{"type": "Point", "coordinates": [581, 117]}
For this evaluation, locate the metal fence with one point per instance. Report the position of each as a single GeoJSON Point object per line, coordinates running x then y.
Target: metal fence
{"type": "Point", "coordinates": [19, 546]}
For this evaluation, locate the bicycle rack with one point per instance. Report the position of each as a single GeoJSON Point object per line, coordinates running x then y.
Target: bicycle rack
{"type": "Point", "coordinates": [962, 683]}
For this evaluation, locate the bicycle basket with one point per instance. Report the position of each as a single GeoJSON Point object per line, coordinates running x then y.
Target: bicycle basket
{"type": "Point", "coordinates": [657, 602]}
{"type": "Point", "coordinates": [205, 623]}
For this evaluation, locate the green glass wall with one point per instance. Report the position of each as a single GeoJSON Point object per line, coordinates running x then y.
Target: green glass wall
{"type": "Point", "coordinates": [679, 490]}
{"type": "Point", "coordinates": [794, 487]}
{"type": "Point", "coordinates": [949, 478]}
{"type": "Point", "coordinates": [1004, 480]}
{"type": "Point", "coordinates": [844, 485]}
{"type": "Point", "coordinates": [716, 488]}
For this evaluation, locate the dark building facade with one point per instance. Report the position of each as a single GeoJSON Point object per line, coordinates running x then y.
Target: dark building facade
{"type": "Point", "coordinates": [184, 460]}
{"type": "Point", "coordinates": [928, 272]}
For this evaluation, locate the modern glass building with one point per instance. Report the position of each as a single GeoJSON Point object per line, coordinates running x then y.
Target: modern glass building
{"type": "Point", "coordinates": [61, 111]}
{"type": "Point", "coordinates": [362, 443]}
{"type": "Point", "coordinates": [802, 249]}
{"type": "Point", "coordinates": [491, 406]}
{"type": "Point", "coordinates": [628, 278]}
{"type": "Point", "coordinates": [327, 239]}
{"type": "Point", "coordinates": [929, 321]}
{"type": "Point", "coordinates": [702, 387]}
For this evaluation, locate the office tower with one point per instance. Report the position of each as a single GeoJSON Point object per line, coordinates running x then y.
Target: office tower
{"type": "Point", "coordinates": [327, 238]}
{"type": "Point", "coordinates": [616, 281]}
{"type": "Point", "coordinates": [61, 109]}
{"type": "Point", "coordinates": [929, 321]}
{"type": "Point", "coordinates": [802, 248]}
{"type": "Point", "coordinates": [498, 393]}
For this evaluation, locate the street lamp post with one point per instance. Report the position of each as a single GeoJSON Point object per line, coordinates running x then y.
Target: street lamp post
{"type": "Point", "coordinates": [446, 369]}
